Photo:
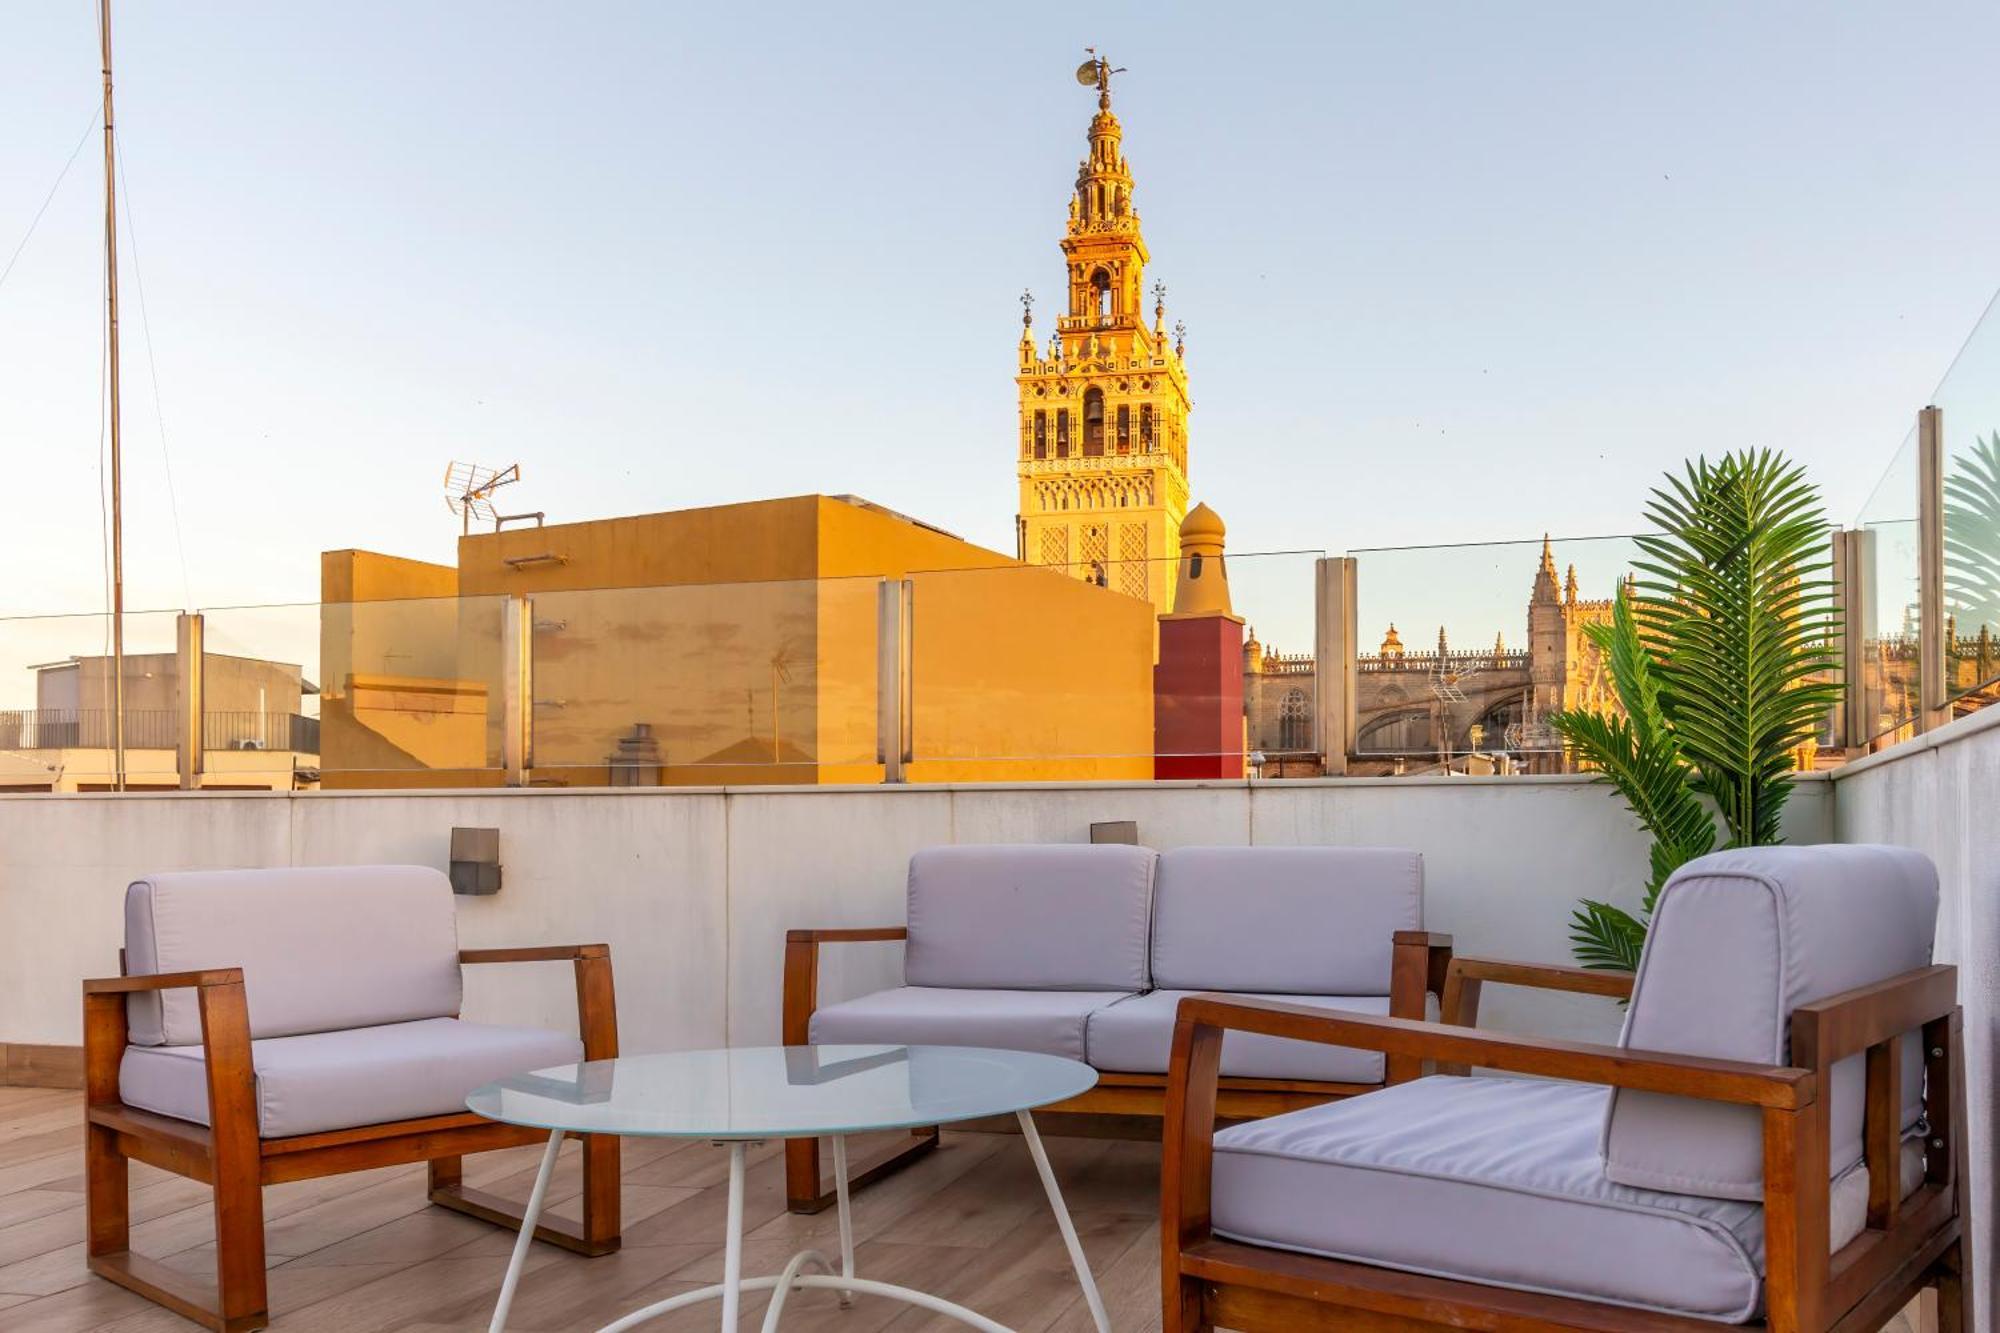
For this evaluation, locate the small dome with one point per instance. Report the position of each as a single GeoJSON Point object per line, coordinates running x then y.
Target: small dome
{"type": "Point", "coordinates": [1392, 643]}
{"type": "Point", "coordinates": [1202, 523]}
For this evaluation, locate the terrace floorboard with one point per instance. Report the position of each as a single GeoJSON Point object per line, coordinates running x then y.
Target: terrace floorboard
{"type": "Point", "coordinates": [366, 1252]}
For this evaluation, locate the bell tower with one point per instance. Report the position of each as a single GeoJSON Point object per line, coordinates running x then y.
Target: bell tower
{"type": "Point", "coordinates": [1104, 403]}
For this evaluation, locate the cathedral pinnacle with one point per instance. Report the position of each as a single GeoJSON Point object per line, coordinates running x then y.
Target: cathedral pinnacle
{"type": "Point", "coordinates": [1547, 589]}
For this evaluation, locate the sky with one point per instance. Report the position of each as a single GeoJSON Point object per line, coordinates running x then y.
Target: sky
{"type": "Point", "coordinates": [1451, 272]}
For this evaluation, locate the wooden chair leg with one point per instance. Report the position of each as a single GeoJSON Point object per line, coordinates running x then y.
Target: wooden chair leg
{"type": "Point", "coordinates": [1183, 1313]}
{"type": "Point", "coordinates": [108, 1200]}
{"type": "Point", "coordinates": [802, 1192]}
{"type": "Point", "coordinates": [446, 1173]}
{"type": "Point", "coordinates": [598, 1233]}
{"type": "Point", "coordinates": [239, 1246]}
{"type": "Point", "coordinates": [236, 1159]}
{"type": "Point", "coordinates": [600, 1192]}
{"type": "Point", "coordinates": [1951, 1291]}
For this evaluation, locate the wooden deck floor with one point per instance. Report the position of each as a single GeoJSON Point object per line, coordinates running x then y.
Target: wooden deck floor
{"type": "Point", "coordinates": [366, 1252]}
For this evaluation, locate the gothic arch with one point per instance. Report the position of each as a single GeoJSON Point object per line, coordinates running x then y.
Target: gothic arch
{"type": "Point", "coordinates": [1404, 732]}
{"type": "Point", "coordinates": [1295, 721]}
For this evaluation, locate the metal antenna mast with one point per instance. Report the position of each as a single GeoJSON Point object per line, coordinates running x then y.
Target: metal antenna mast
{"type": "Point", "coordinates": [117, 469]}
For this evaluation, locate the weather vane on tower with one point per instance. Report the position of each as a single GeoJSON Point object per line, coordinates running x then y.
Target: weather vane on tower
{"type": "Point", "coordinates": [1097, 70]}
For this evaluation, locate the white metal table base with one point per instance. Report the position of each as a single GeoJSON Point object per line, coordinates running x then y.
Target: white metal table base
{"type": "Point", "coordinates": [795, 1277]}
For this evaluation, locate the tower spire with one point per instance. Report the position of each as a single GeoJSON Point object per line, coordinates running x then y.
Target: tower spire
{"type": "Point", "coordinates": [1547, 589]}
{"type": "Point", "coordinates": [1103, 411]}
{"type": "Point", "coordinates": [1103, 200]}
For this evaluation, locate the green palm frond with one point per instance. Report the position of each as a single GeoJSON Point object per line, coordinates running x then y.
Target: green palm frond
{"type": "Point", "coordinates": [1606, 937]}
{"type": "Point", "coordinates": [1639, 752]}
{"type": "Point", "coordinates": [1735, 607]}
{"type": "Point", "coordinates": [1723, 653]}
{"type": "Point", "coordinates": [1972, 536]}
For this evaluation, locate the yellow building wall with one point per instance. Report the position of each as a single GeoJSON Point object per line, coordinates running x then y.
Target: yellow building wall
{"type": "Point", "coordinates": [410, 675]}
{"type": "Point", "coordinates": [724, 674]}
{"type": "Point", "coordinates": [744, 636]}
{"type": "Point", "coordinates": [757, 541]}
{"type": "Point", "coordinates": [1027, 675]}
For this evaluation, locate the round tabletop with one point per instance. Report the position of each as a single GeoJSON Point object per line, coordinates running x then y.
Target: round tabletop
{"type": "Point", "coordinates": [768, 1092]}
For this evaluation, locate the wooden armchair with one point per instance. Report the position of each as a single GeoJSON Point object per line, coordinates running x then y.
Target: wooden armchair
{"type": "Point", "coordinates": [213, 1066]}
{"type": "Point", "coordinates": [1792, 1119]}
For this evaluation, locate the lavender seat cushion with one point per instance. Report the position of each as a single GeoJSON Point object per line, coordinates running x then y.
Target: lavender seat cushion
{"type": "Point", "coordinates": [321, 948]}
{"type": "Point", "coordinates": [1498, 1181]}
{"type": "Point", "coordinates": [1739, 940]}
{"type": "Point", "coordinates": [1136, 1036]}
{"type": "Point", "coordinates": [322, 1081]}
{"type": "Point", "coordinates": [1060, 917]}
{"type": "Point", "coordinates": [1283, 920]}
{"type": "Point", "coordinates": [1049, 1021]}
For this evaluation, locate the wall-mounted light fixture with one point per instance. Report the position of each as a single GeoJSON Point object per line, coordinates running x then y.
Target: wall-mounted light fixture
{"type": "Point", "coordinates": [475, 860]}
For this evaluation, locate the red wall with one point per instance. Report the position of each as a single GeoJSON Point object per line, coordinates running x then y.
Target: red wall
{"type": "Point", "coordinates": [1198, 699]}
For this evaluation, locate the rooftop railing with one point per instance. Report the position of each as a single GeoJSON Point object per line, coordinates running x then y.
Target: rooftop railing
{"type": "Point", "coordinates": [1443, 659]}
{"type": "Point", "coordinates": [1408, 661]}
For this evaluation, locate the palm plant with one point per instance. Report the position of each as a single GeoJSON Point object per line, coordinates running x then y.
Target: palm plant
{"type": "Point", "coordinates": [1721, 651]}
{"type": "Point", "coordinates": [1972, 535]}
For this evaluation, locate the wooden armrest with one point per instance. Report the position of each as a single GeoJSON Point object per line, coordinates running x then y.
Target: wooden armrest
{"type": "Point", "coordinates": [1459, 1004]}
{"type": "Point", "coordinates": [847, 935]}
{"type": "Point", "coordinates": [1731, 1081]}
{"type": "Point", "coordinates": [801, 995]}
{"type": "Point", "coordinates": [225, 1045]}
{"type": "Point", "coordinates": [212, 976]}
{"type": "Point", "coordinates": [1852, 1021]}
{"type": "Point", "coordinates": [547, 953]}
{"type": "Point", "coordinates": [596, 1000]}
{"type": "Point", "coordinates": [1546, 976]}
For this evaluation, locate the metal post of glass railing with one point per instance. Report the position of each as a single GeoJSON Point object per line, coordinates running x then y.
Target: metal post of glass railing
{"type": "Point", "coordinates": [190, 684]}
{"type": "Point", "coordinates": [1933, 706]}
{"type": "Point", "coordinates": [892, 678]}
{"type": "Point", "coordinates": [1334, 648]}
{"type": "Point", "coordinates": [1850, 718]}
{"type": "Point", "coordinates": [517, 689]}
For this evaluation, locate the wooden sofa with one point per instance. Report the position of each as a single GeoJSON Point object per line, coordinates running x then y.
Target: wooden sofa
{"type": "Point", "coordinates": [1546, 1203]}
{"type": "Point", "coordinates": [1096, 944]}
{"type": "Point", "coordinates": [286, 1024]}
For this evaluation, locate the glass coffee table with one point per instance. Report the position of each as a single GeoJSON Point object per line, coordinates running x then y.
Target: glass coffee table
{"type": "Point", "coordinates": [752, 1094]}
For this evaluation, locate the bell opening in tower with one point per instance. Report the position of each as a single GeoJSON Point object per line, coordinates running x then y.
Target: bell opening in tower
{"type": "Point", "coordinates": [1093, 423]}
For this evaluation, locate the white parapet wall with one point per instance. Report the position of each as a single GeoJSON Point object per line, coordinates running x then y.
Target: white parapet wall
{"type": "Point", "coordinates": [1937, 793]}
{"type": "Point", "coordinates": [694, 889]}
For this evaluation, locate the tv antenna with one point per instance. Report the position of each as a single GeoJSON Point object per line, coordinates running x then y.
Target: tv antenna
{"type": "Point", "coordinates": [468, 491]}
